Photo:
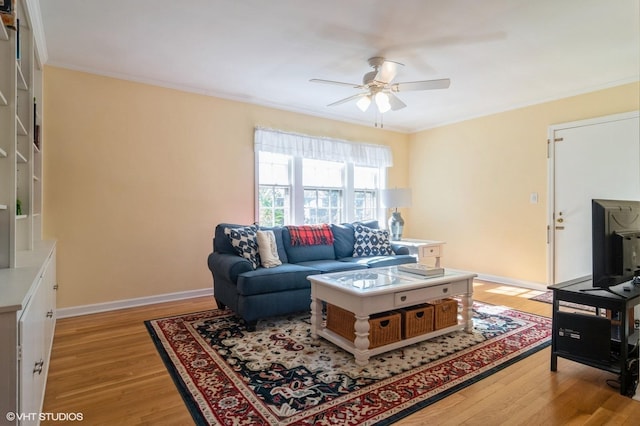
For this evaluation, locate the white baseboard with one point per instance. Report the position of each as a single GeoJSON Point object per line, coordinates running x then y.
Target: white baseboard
{"type": "Point", "coordinates": [168, 297]}
{"type": "Point", "coordinates": [507, 281]}
{"type": "Point", "coordinates": [129, 303]}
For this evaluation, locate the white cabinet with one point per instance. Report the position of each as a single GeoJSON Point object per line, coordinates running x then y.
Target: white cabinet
{"type": "Point", "coordinates": [27, 321]}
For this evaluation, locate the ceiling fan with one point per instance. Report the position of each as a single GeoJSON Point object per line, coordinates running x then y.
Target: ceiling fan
{"type": "Point", "coordinates": [377, 86]}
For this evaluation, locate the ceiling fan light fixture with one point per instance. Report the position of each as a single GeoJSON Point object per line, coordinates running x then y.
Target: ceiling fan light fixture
{"type": "Point", "coordinates": [382, 101]}
{"type": "Point", "coordinates": [377, 87]}
{"type": "Point", "coordinates": [364, 102]}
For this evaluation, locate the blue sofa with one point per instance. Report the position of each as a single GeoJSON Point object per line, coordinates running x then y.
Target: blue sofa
{"type": "Point", "coordinates": [260, 293]}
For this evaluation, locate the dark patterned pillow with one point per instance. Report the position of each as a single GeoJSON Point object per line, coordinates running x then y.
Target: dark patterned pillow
{"type": "Point", "coordinates": [245, 241]}
{"type": "Point", "coordinates": [371, 242]}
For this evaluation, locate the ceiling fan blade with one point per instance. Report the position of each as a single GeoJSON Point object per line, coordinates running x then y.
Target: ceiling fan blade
{"type": "Point", "coordinates": [395, 102]}
{"type": "Point", "coordinates": [350, 98]}
{"type": "Point", "coordinates": [421, 85]}
{"type": "Point", "coordinates": [336, 83]}
{"type": "Point", "coordinates": [387, 71]}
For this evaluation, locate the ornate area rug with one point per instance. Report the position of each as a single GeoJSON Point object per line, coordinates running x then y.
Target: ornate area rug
{"type": "Point", "coordinates": [279, 375]}
{"type": "Point", "coordinates": [547, 297]}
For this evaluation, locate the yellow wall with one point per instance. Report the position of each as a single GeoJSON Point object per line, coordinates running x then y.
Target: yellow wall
{"type": "Point", "coordinates": [472, 181]}
{"type": "Point", "coordinates": [137, 176]}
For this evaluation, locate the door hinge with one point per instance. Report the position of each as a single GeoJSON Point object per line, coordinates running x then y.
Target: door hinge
{"type": "Point", "coordinates": [558, 139]}
{"type": "Point", "coordinates": [548, 234]}
{"type": "Point", "coordinates": [548, 145]}
{"type": "Point", "coordinates": [19, 352]}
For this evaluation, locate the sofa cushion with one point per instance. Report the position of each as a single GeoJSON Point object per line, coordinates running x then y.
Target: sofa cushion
{"type": "Point", "coordinates": [244, 240]}
{"type": "Point", "coordinates": [327, 266]}
{"type": "Point", "coordinates": [343, 238]}
{"type": "Point", "coordinates": [297, 254]}
{"type": "Point", "coordinates": [281, 278]}
{"type": "Point", "coordinates": [268, 249]}
{"type": "Point", "coordinates": [371, 242]}
{"type": "Point", "coordinates": [221, 242]}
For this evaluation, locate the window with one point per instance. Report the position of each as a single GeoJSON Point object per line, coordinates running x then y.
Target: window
{"type": "Point", "coordinates": [309, 180]}
{"type": "Point", "coordinates": [274, 191]}
{"type": "Point", "coordinates": [366, 182]}
{"type": "Point", "coordinates": [323, 184]}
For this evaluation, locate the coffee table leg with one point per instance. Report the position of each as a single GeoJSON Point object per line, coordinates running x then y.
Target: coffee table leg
{"type": "Point", "coordinates": [467, 312]}
{"type": "Point", "coordinates": [316, 316]}
{"type": "Point", "coordinates": [361, 341]}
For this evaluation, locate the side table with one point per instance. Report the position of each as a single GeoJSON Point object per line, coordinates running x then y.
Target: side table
{"type": "Point", "coordinates": [425, 249]}
{"type": "Point", "coordinates": [581, 338]}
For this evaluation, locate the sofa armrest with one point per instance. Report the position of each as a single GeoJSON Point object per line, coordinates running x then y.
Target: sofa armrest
{"type": "Point", "coordinates": [228, 266]}
{"type": "Point", "coordinates": [398, 249]}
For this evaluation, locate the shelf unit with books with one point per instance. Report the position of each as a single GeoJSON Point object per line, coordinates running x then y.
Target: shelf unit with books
{"type": "Point", "coordinates": [28, 280]}
{"type": "Point", "coordinates": [20, 164]}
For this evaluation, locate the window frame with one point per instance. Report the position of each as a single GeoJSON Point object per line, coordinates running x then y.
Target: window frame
{"type": "Point", "coordinates": [296, 193]}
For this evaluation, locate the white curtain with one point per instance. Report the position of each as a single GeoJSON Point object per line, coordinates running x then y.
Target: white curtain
{"type": "Point", "coordinates": [322, 148]}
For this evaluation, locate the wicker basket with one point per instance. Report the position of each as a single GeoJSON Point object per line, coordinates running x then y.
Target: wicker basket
{"type": "Point", "coordinates": [445, 313]}
{"type": "Point", "coordinates": [384, 328]}
{"type": "Point", "coordinates": [417, 320]}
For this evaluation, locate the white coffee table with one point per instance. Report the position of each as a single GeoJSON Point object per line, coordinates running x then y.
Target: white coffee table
{"type": "Point", "coordinates": [370, 291]}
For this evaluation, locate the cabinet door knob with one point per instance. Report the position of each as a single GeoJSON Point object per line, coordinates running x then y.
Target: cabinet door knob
{"type": "Point", "coordinates": [50, 314]}
{"type": "Point", "coordinates": [445, 290]}
{"type": "Point", "coordinates": [403, 298]}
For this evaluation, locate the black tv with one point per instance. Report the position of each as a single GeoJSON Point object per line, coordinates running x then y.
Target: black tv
{"type": "Point", "coordinates": [615, 242]}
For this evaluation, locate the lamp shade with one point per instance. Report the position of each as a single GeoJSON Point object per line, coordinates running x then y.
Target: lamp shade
{"type": "Point", "coordinates": [382, 101]}
{"type": "Point", "coordinates": [395, 198]}
{"type": "Point", "coordinates": [364, 103]}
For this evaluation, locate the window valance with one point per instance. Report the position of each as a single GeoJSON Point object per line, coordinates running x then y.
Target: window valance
{"type": "Point", "coordinates": [322, 148]}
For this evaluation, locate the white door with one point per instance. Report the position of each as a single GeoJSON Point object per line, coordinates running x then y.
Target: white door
{"type": "Point", "coordinates": [597, 158]}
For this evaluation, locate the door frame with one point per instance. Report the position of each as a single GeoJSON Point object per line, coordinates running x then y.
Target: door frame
{"type": "Point", "coordinates": [551, 197]}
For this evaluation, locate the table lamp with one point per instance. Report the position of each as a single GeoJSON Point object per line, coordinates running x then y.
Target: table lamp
{"type": "Point", "coordinates": [396, 198]}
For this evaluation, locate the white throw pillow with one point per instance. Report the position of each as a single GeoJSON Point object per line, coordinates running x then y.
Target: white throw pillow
{"type": "Point", "coordinates": [268, 249]}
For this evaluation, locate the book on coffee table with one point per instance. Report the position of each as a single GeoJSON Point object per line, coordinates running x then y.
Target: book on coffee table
{"type": "Point", "coordinates": [420, 269]}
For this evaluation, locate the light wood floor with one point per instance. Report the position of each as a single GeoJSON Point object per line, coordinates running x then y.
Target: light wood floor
{"type": "Point", "coordinates": [106, 367]}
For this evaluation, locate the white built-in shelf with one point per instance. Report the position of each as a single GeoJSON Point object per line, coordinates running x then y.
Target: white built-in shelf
{"type": "Point", "coordinates": [4, 35]}
{"type": "Point", "coordinates": [35, 214]}
{"type": "Point", "coordinates": [36, 149]}
{"type": "Point", "coordinates": [22, 131]}
{"type": "Point", "coordinates": [36, 178]}
{"type": "Point", "coordinates": [21, 216]}
{"type": "Point", "coordinates": [3, 100]}
{"type": "Point", "coordinates": [22, 83]}
{"type": "Point", "coordinates": [3, 153]}
{"type": "Point", "coordinates": [21, 158]}
{"type": "Point", "coordinates": [3, 206]}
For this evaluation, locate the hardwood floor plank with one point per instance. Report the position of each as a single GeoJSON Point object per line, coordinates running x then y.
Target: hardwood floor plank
{"type": "Point", "coordinates": [106, 367]}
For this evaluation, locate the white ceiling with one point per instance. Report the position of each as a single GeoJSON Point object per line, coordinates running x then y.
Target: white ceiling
{"type": "Point", "coordinates": [499, 54]}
